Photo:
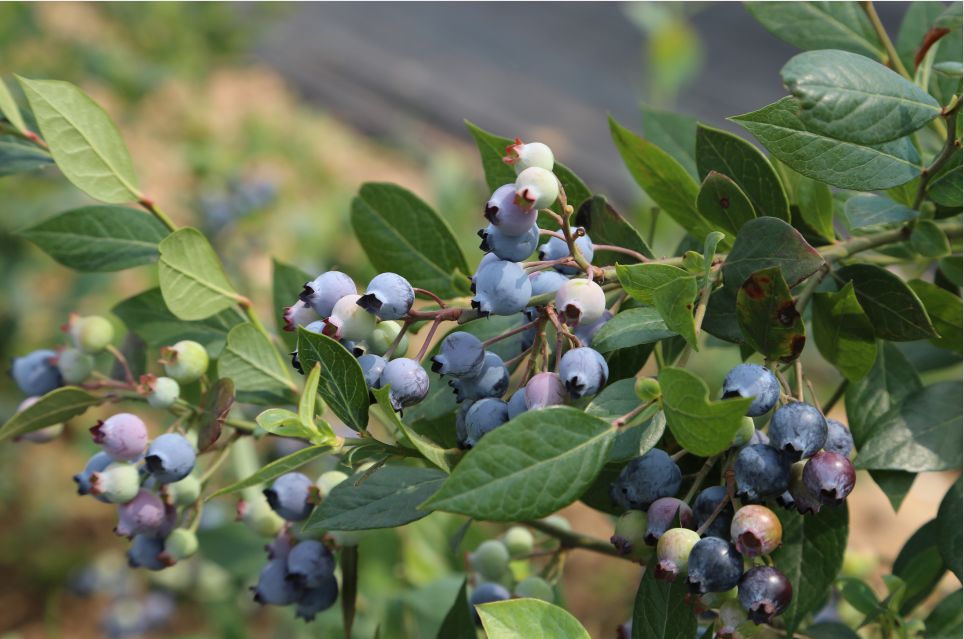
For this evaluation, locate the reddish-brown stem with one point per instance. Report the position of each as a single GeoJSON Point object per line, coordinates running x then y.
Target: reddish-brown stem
{"type": "Point", "coordinates": [514, 331]}
{"type": "Point", "coordinates": [450, 314]}
{"type": "Point", "coordinates": [426, 293]}
{"type": "Point", "coordinates": [398, 339]}
{"type": "Point", "coordinates": [119, 356]}
{"type": "Point", "coordinates": [428, 340]}
{"type": "Point", "coordinates": [730, 489]}
{"type": "Point", "coordinates": [631, 415]}
{"type": "Point", "coordinates": [555, 234]}
{"type": "Point", "coordinates": [619, 249]}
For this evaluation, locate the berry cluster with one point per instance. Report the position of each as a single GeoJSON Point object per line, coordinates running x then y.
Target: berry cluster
{"type": "Point", "coordinates": [801, 462]}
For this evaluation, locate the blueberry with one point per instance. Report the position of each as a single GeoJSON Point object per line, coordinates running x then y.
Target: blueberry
{"type": "Point", "coordinates": [310, 563]}
{"type": "Point", "coordinates": [753, 380]}
{"type": "Point", "coordinates": [389, 296]}
{"type": "Point", "coordinates": [327, 481]}
{"type": "Point", "coordinates": [319, 599]}
{"type": "Point", "coordinates": [625, 630]}
{"type": "Point", "coordinates": [487, 259]}
{"type": "Point", "coordinates": [163, 392]}
{"type": "Point", "coordinates": [490, 559]}
{"type": "Point", "coordinates": [74, 365]}
{"type": "Point", "coordinates": [706, 504]}
{"type": "Point", "coordinates": [322, 292]}
{"type": "Point", "coordinates": [513, 248]}
{"type": "Point", "coordinates": [145, 552]}
{"type": "Point", "coordinates": [122, 436]}
{"type": "Point", "coordinates": [36, 373]}
{"type": "Point", "coordinates": [288, 496]}
{"type": "Point", "coordinates": [714, 566]}
{"type": "Point", "coordinates": [556, 249]}
{"type": "Point", "coordinates": [630, 532]}
{"type": "Point", "coordinates": [761, 471]}
{"type": "Point", "coordinates": [536, 188]}
{"type": "Point", "coordinates": [349, 320]}
{"type": "Point", "coordinates": [544, 282]}
{"type": "Point", "coordinates": [583, 372]}
{"type": "Point", "coordinates": [384, 336]}
{"type": "Point", "coordinates": [764, 593]}
{"type": "Point", "coordinates": [98, 463]}
{"type": "Point", "coordinates": [839, 439]}
{"type": "Point", "coordinates": [798, 429]}
{"type": "Point", "coordinates": [116, 484]}
{"type": "Point", "coordinates": [521, 156]}
{"type": "Point", "coordinates": [491, 381]}
{"type": "Point", "coordinates": [90, 334]}
{"type": "Point", "coordinates": [356, 347]}
{"type": "Point", "coordinates": [460, 355]}
{"type": "Point", "coordinates": [502, 211]}
{"type": "Point", "coordinates": [298, 314]}
{"type": "Point", "coordinates": [170, 458]}
{"type": "Point", "coordinates": [180, 544]}
{"type": "Point", "coordinates": [798, 495]}
{"type": "Point", "coordinates": [184, 492]}
{"type": "Point", "coordinates": [186, 361]}
{"type": "Point", "coordinates": [274, 588]}
{"type": "Point", "coordinates": [372, 367]}
{"type": "Point", "coordinates": [407, 380]}
{"type": "Point", "coordinates": [519, 542]}
{"type": "Point", "coordinates": [758, 437]}
{"type": "Point", "coordinates": [517, 403]}
{"type": "Point", "coordinates": [666, 513]}
{"type": "Point", "coordinates": [501, 288]}
{"type": "Point", "coordinates": [587, 331]}
{"type": "Point", "coordinates": [755, 531]}
{"type": "Point", "coordinates": [485, 416]}
{"type": "Point", "coordinates": [487, 592]}
{"type": "Point", "coordinates": [461, 432]}
{"type": "Point", "coordinates": [535, 588]}
{"type": "Point", "coordinates": [544, 389]}
{"type": "Point", "coordinates": [673, 552]}
{"type": "Point", "coordinates": [645, 479]}
{"type": "Point", "coordinates": [145, 514]}
{"type": "Point", "coordinates": [581, 301]}
{"type": "Point", "coordinates": [830, 476]}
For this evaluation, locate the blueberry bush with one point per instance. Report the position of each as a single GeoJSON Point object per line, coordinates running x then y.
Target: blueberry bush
{"type": "Point", "coordinates": [507, 391]}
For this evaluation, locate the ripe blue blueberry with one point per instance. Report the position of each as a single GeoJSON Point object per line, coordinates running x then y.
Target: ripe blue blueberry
{"type": "Point", "coordinates": [673, 552]}
{"type": "Point", "coordinates": [74, 365]}
{"type": "Point", "coordinates": [756, 530]}
{"type": "Point", "coordinates": [544, 282]}
{"type": "Point", "coordinates": [170, 458]}
{"type": "Point", "coordinates": [460, 355]}
{"type": "Point", "coordinates": [666, 513]}
{"type": "Point", "coordinates": [583, 372]}
{"type": "Point", "coordinates": [122, 436]}
{"type": "Point", "coordinates": [839, 439]}
{"type": "Point", "coordinates": [298, 314]}
{"type": "Point", "coordinates": [502, 211]}
{"type": "Point", "coordinates": [36, 373]}
{"type": "Point", "coordinates": [830, 476]}
{"type": "Point", "coordinates": [764, 593]}
{"type": "Point", "coordinates": [145, 552]}
{"type": "Point", "coordinates": [145, 514]}
{"type": "Point", "coordinates": [310, 563]}
{"type": "Point", "coordinates": [491, 381]}
{"type": "Point", "coordinates": [485, 415]}
{"type": "Point", "coordinates": [389, 296]}
{"type": "Point", "coordinates": [98, 463]}
{"type": "Point", "coordinates": [488, 592]}
{"type": "Point", "coordinates": [536, 188]}
{"type": "Point", "coordinates": [517, 403]}
{"type": "Point", "coordinates": [586, 331]}
{"type": "Point", "coordinates": [288, 496]}
{"type": "Point", "coordinates": [752, 380]}
{"type": "Point", "coordinates": [372, 367]}
{"type": "Point", "coordinates": [581, 301]}
{"type": "Point", "coordinates": [322, 292]}
{"type": "Point", "coordinates": [461, 433]}
{"type": "Point", "coordinates": [408, 381]}
{"type": "Point", "coordinates": [761, 471]}
{"type": "Point", "coordinates": [318, 599]}
{"type": "Point", "coordinates": [714, 566]}
{"type": "Point", "coordinates": [798, 430]}
{"type": "Point", "coordinates": [645, 479]}
{"type": "Point", "coordinates": [274, 588]}
{"type": "Point", "coordinates": [349, 321]}
{"type": "Point", "coordinates": [544, 389]}
{"type": "Point", "coordinates": [513, 248]}
{"type": "Point", "coordinates": [706, 504]}
{"type": "Point", "coordinates": [521, 156]}
{"type": "Point", "coordinates": [501, 288]}
{"type": "Point", "coordinates": [556, 249]}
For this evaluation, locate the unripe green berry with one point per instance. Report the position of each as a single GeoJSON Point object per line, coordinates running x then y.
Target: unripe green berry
{"type": "Point", "coordinates": [490, 559]}
{"type": "Point", "coordinates": [164, 391]}
{"type": "Point", "coordinates": [744, 432]}
{"type": "Point", "coordinates": [186, 361]}
{"type": "Point", "coordinates": [384, 336]}
{"type": "Point", "coordinates": [535, 588]}
{"type": "Point", "coordinates": [519, 542]}
{"type": "Point", "coordinates": [327, 482]}
{"type": "Point", "coordinates": [91, 334]}
{"type": "Point", "coordinates": [118, 483]}
{"type": "Point", "coordinates": [75, 365]}
{"type": "Point", "coordinates": [559, 522]}
{"type": "Point", "coordinates": [184, 492]}
{"type": "Point", "coordinates": [180, 544]}
{"type": "Point", "coordinates": [673, 552]}
{"type": "Point", "coordinates": [630, 532]}
{"type": "Point", "coordinates": [258, 516]}
{"type": "Point", "coordinates": [647, 389]}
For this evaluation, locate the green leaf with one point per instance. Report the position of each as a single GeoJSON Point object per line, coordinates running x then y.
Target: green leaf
{"type": "Point", "coordinates": [402, 234]}
{"type": "Point", "coordinates": [701, 426]}
{"type": "Point", "coordinates": [441, 457]}
{"type": "Point", "coordinates": [19, 158]}
{"type": "Point", "coordinates": [949, 526]}
{"type": "Point", "coordinates": [812, 202]}
{"type": "Point", "coordinates": [894, 310]}
{"type": "Point", "coordinates": [215, 407]}
{"type": "Point", "coordinates": [385, 499]}
{"type": "Point", "coordinates": [851, 98]}
{"type": "Point", "coordinates": [766, 242]}
{"type": "Point", "coordinates": [631, 327]}
{"type": "Point", "coordinates": [287, 282]}
{"type": "Point", "coordinates": [944, 309]}
{"type": "Point", "coordinates": [720, 320]}
{"type": "Point", "coordinates": [867, 209]}
{"type": "Point", "coordinates": [768, 317]}
{"type": "Point", "coordinates": [859, 595]}
{"type": "Point", "coordinates": [662, 177]}
{"type": "Point", "coordinates": [99, 238]}
{"type": "Point", "coordinates": [192, 278]}
{"type": "Point", "coordinates": [843, 332]}
{"type": "Point", "coordinates": [642, 280]}
{"type": "Point", "coordinates": [819, 25]}
{"type": "Point", "coordinates": [831, 629]}
{"type": "Point", "coordinates": [811, 556]}
{"type": "Point", "coordinates": [945, 620]}
{"type": "Point", "coordinates": [83, 140]}
{"type": "Point", "coordinates": [253, 363]}
{"type": "Point", "coordinates": [148, 317]}
{"type": "Point", "coordinates": [606, 226]}
{"type": "Point", "coordinates": [284, 423]}
{"type": "Point", "coordinates": [890, 380]}
{"type": "Point", "coordinates": [674, 300]}
{"type": "Point", "coordinates": [724, 204]}
{"type": "Point", "coordinates": [9, 108]}
{"type": "Point", "coordinates": [895, 484]}
{"type": "Point", "coordinates": [275, 469]}
{"type": "Point", "coordinates": [309, 395]}
{"type": "Point", "coordinates": [458, 622]}
{"type": "Point", "coordinates": [842, 164]}
{"type": "Point", "coordinates": [946, 186]}
{"type": "Point", "coordinates": [917, 21]}
{"type": "Point", "coordinates": [660, 610]}
{"type": "Point", "coordinates": [920, 565]}
{"type": "Point", "coordinates": [675, 133]}
{"type": "Point", "coordinates": [731, 155]}
{"type": "Point", "coordinates": [342, 382]}
{"type": "Point", "coordinates": [929, 240]}
{"type": "Point", "coordinates": [922, 433]}
{"type": "Point", "coordinates": [528, 619]}
{"type": "Point", "coordinates": [55, 407]}
{"type": "Point", "coordinates": [529, 468]}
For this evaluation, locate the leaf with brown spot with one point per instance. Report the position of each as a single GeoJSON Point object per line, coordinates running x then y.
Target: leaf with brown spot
{"type": "Point", "coordinates": [217, 403]}
{"type": "Point", "coordinates": [768, 318]}
{"type": "Point", "coordinates": [724, 204]}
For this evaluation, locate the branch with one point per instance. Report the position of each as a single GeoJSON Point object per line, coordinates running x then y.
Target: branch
{"type": "Point", "coordinates": [570, 539]}
{"type": "Point", "coordinates": [892, 58]}
{"type": "Point", "coordinates": [951, 144]}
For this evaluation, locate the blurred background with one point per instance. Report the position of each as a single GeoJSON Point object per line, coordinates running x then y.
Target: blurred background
{"type": "Point", "coordinates": [257, 123]}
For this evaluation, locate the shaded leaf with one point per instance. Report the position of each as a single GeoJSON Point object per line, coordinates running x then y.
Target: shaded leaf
{"type": "Point", "coordinates": [631, 327]}
{"type": "Point", "coordinates": [929, 240]}
{"type": "Point", "coordinates": [724, 204]}
{"type": "Point", "coordinates": [843, 332]}
{"type": "Point", "coordinates": [675, 133]}
{"type": "Point", "coordinates": [287, 282]}
{"type": "Point", "coordinates": [441, 457]}
{"type": "Point", "coordinates": [766, 242]}
{"type": "Point", "coordinates": [20, 158]}
{"type": "Point", "coordinates": [894, 310]}
{"type": "Point", "coordinates": [660, 610]}
{"type": "Point", "coordinates": [458, 622]}
{"type": "Point", "coordinates": [217, 404]}
{"type": "Point", "coordinates": [606, 226]}
{"type": "Point", "coordinates": [945, 620]}
{"type": "Point", "coordinates": [675, 300]}
{"type": "Point", "coordinates": [9, 108]}
{"type": "Point", "coordinates": [946, 186]}
{"type": "Point", "coordinates": [945, 311]}
{"type": "Point", "coordinates": [949, 525]}
{"type": "Point", "coordinates": [820, 25]}
{"type": "Point", "coordinates": [920, 566]}
{"type": "Point", "coordinates": [867, 209]}
{"type": "Point", "coordinates": [55, 407]}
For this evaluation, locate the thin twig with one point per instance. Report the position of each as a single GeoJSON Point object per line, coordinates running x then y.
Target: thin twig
{"type": "Point", "coordinates": [428, 340]}
{"type": "Point", "coordinates": [570, 539]}
{"type": "Point", "coordinates": [700, 476]}
{"type": "Point", "coordinates": [837, 394]}
{"type": "Point", "coordinates": [619, 249]}
{"type": "Point", "coordinates": [122, 360]}
{"type": "Point", "coordinates": [428, 293]}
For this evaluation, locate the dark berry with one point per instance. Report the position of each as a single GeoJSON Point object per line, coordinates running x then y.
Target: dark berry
{"type": "Point", "coordinates": [706, 504]}
{"type": "Point", "coordinates": [829, 475]}
{"type": "Point", "coordinates": [798, 429]}
{"type": "Point", "coordinates": [764, 593]}
{"type": "Point", "coordinates": [714, 566]}
{"type": "Point", "coordinates": [645, 479]}
{"type": "Point", "coordinates": [761, 472]}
